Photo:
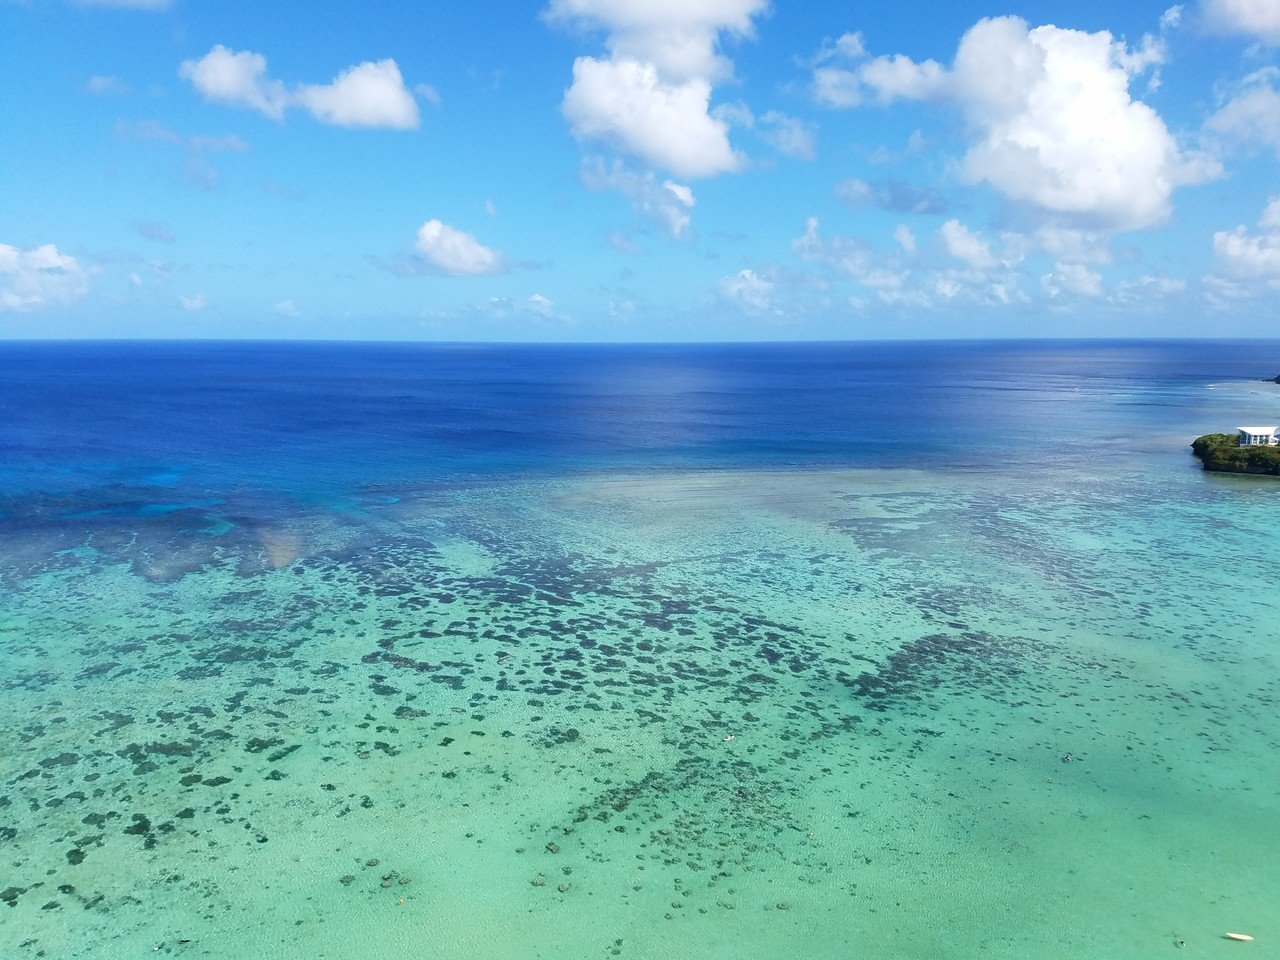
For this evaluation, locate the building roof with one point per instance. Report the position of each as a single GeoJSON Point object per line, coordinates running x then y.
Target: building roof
{"type": "Point", "coordinates": [1271, 430]}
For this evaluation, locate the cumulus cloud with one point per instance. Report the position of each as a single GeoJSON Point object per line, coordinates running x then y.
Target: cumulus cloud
{"type": "Point", "coordinates": [748, 291]}
{"type": "Point", "coordinates": [236, 78]}
{"type": "Point", "coordinates": [625, 104]}
{"type": "Point", "coordinates": [1072, 279]}
{"type": "Point", "coordinates": [287, 308]}
{"type": "Point", "coordinates": [368, 95]}
{"type": "Point", "coordinates": [965, 245]}
{"type": "Point", "coordinates": [898, 279]}
{"type": "Point", "coordinates": [1259, 18]}
{"type": "Point", "coordinates": [540, 305]}
{"type": "Point", "coordinates": [651, 96]}
{"type": "Point", "coordinates": [1252, 114]}
{"type": "Point", "coordinates": [455, 253]}
{"type": "Point", "coordinates": [193, 304]}
{"type": "Point", "coordinates": [1243, 255]}
{"type": "Point", "coordinates": [665, 202]}
{"type": "Point", "coordinates": [1051, 121]}
{"type": "Point", "coordinates": [787, 135]}
{"type": "Point", "coordinates": [39, 277]}
{"type": "Point", "coordinates": [371, 94]}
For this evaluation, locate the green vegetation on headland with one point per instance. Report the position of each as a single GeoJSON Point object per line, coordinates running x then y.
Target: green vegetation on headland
{"type": "Point", "coordinates": [1222, 452]}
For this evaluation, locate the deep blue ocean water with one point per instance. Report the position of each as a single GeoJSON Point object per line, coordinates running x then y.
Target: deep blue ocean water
{"type": "Point", "coordinates": [312, 417]}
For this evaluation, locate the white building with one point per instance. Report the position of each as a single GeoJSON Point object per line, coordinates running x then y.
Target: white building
{"type": "Point", "coordinates": [1258, 436]}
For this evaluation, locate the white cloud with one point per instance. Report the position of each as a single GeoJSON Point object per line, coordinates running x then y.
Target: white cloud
{"type": "Point", "coordinates": [679, 37]}
{"type": "Point", "coordinates": [625, 104]}
{"type": "Point", "coordinates": [837, 87]}
{"type": "Point", "coordinates": [651, 96]}
{"type": "Point", "coordinates": [287, 308]}
{"type": "Point", "coordinates": [456, 253]}
{"type": "Point", "coordinates": [39, 277]}
{"type": "Point", "coordinates": [1253, 114]}
{"type": "Point", "coordinates": [370, 94]}
{"type": "Point", "coordinates": [540, 305]}
{"type": "Point", "coordinates": [963, 244]}
{"type": "Point", "coordinates": [748, 291]}
{"type": "Point", "coordinates": [236, 78]}
{"type": "Point", "coordinates": [1270, 219]}
{"type": "Point", "coordinates": [897, 279]}
{"type": "Point", "coordinates": [1072, 278]}
{"type": "Point", "coordinates": [1146, 289]}
{"type": "Point", "coordinates": [666, 202]}
{"type": "Point", "coordinates": [193, 304]}
{"type": "Point", "coordinates": [1072, 246]}
{"type": "Point", "coordinates": [789, 136]}
{"type": "Point", "coordinates": [1260, 18]}
{"type": "Point", "coordinates": [899, 77]}
{"type": "Point", "coordinates": [1252, 256]}
{"type": "Point", "coordinates": [1051, 120]}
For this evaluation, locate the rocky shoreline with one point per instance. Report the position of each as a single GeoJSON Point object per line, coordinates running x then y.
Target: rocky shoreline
{"type": "Point", "coordinates": [1222, 453]}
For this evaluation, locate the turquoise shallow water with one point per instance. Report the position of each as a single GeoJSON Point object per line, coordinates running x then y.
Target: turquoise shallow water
{"type": "Point", "coordinates": [731, 712]}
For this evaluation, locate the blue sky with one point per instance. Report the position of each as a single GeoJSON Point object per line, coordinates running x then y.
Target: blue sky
{"type": "Point", "coordinates": [638, 169]}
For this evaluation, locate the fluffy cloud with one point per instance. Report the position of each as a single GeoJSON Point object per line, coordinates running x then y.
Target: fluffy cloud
{"type": "Point", "coordinates": [965, 245]}
{"type": "Point", "coordinates": [748, 291]}
{"type": "Point", "coordinates": [539, 305]}
{"type": "Point", "coordinates": [1252, 256]}
{"type": "Point", "coordinates": [897, 279]}
{"type": "Point", "coordinates": [456, 253]}
{"type": "Point", "coordinates": [625, 104]}
{"type": "Point", "coordinates": [1260, 18]}
{"type": "Point", "coordinates": [287, 308]}
{"type": "Point", "coordinates": [367, 95]}
{"type": "Point", "coordinates": [1051, 120]}
{"type": "Point", "coordinates": [193, 304]}
{"type": "Point", "coordinates": [39, 277]}
{"type": "Point", "coordinates": [650, 97]}
{"type": "Point", "coordinates": [1252, 115]}
{"type": "Point", "coordinates": [667, 203]}
{"type": "Point", "coordinates": [787, 135]}
{"type": "Point", "coordinates": [1072, 278]}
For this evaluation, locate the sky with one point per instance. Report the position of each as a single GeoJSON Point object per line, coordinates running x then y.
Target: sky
{"type": "Point", "coordinates": [639, 170]}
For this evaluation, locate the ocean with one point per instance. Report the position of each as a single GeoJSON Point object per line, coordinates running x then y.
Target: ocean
{"type": "Point", "coordinates": [879, 650]}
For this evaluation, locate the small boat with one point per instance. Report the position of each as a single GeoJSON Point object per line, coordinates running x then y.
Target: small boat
{"type": "Point", "coordinates": [1238, 936]}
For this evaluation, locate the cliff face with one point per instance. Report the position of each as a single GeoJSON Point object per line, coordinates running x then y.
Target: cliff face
{"type": "Point", "coordinates": [1222, 452]}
